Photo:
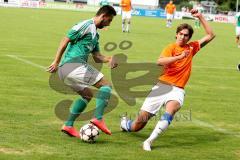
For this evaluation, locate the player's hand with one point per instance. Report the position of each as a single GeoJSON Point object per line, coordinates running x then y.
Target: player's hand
{"type": "Point", "coordinates": [184, 54]}
{"type": "Point", "coordinates": [195, 13]}
{"type": "Point", "coordinates": [53, 67]}
{"type": "Point", "coordinates": [113, 62]}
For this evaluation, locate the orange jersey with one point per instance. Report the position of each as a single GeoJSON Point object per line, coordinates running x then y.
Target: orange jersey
{"type": "Point", "coordinates": [126, 5]}
{"type": "Point", "coordinates": [178, 73]}
{"type": "Point", "coordinates": [170, 8]}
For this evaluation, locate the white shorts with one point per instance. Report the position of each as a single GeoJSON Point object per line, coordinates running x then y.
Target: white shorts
{"type": "Point", "coordinates": [79, 75]}
{"type": "Point", "coordinates": [237, 31]}
{"type": "Point", "coordinates": [160, 95]}
{"type": "Point", "coordinates": [126, 15]}
{"type": "Point", "coordinates": [170, 16]}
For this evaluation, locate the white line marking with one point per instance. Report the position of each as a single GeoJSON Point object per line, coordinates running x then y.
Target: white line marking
{"type": "Point", "coordinates": [222, 130]}
{"type": "Point", "coordinates": [26, 61]}
{"type": "Point", "coordinates": [195, 121]}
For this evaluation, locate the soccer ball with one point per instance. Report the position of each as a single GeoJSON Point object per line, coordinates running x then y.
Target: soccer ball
{"type": "Point", "coordinates": [89, 133]}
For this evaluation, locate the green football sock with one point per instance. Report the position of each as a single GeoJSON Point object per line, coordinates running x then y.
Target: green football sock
{"type": "Point", "coordinates": [102, 100]}
{"type": "Point", "coordinates": [78, 106]}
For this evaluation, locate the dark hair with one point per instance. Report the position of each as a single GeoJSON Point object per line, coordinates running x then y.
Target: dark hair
{"type": "Point", "coordinates": [107, 10]}
{"type": "Point", "coordinates": [185, 26]}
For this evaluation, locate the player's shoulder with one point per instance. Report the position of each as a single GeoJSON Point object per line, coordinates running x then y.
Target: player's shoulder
{"type": "Point", "coordinates": [194, 44]}
{"type": "Point", "coordinates": [87, 22]}
{"type": "Point", "coordinates": [171, 46]}
{"type": "Point", "coordinates": [83, 25]}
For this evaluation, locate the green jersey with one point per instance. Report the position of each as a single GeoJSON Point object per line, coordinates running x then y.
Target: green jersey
{"type": "Point", "coordinates": [83, 41]}
{"type": "Point", "coordinates": [237, 17]}
{"type": "Point", "coordinates": [104, 3]}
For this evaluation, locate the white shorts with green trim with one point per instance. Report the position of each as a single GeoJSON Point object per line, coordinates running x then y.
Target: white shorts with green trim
{"type": "Point", "coordinates": [237, 31]}
{"type": "Point", "coordinates": [79, 75]}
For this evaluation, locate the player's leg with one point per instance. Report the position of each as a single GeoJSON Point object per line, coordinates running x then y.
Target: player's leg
{"type": "Point", "coordinates": [171, 108]}
{"type": "Point", "coordinates": [167, 22]}
{"type": "Point", "coordinates": [77, 76]}
{"type": "Point", "coordinates": [128, 25]}
{"type": "Point", "coordinates": [170, 20]}
{"type": "Point", "coordinates": [79, 105]}
{"type": "Point", "coordinates": [139, 123]}
{"type": "Point", "coordinates": [195, 23]}
{"type": "Point", "coordinates": [123, 21]}
{"type": "Point", "coordinates": [76, 109]}
{"type": "Point", "coordinates": [102, 99]}
{"type": "Point", "coordinates": [128, 21]}
{"type": "Point", "coordinates": [237, 40]}
{"type": "Point", "coordinates": [199, 24]}
{"type": "Point", "coordinates": [238, 36]}
{"type": "Point", "coordinates": [150, 107]}
{"type": "Point", "coordinates": [173, 100]}
{"type": "Point", "coordinates": [123, 25]}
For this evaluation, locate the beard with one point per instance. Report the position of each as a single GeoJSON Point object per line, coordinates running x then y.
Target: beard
{"type": "Point", "coordinates": [101, 24]}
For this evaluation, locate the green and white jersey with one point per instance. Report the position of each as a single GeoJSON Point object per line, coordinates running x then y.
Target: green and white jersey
{"type": "Point", "coordinates": [237, 17]}
{"type": "Point", "coordinates": [84, 40]}
{"type": "Point", "coordinates": [104, 3]}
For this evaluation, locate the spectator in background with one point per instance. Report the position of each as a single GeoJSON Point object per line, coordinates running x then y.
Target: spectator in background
{"type": "Point", "coordinates": [170, 11]}
{"type": "Point", "coordinates": [126, 15]}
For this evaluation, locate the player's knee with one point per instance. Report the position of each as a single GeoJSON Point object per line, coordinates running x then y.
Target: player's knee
{"type": "Point", "coordinates": [167, 117]}
{"type": "Point", "coordinates": [86, 94]}
{"type": "Point", "coordinates": [104, 92]}
{"type": "Point", "coordinates": [87, 97]}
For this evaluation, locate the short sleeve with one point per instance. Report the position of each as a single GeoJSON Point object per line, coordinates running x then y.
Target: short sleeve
{"type": "Point", "coordinates": [195, 47]}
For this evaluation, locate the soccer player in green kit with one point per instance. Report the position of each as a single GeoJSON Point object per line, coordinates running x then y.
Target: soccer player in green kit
{"type": "Point", "coordinates": [71, 63]}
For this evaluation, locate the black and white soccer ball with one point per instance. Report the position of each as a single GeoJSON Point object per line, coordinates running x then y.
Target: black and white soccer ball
{"type": "Point", "coordinates": [89, 133]}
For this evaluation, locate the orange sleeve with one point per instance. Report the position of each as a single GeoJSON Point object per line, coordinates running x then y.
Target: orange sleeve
{"type": "Point", "coordinates": [195, 47]}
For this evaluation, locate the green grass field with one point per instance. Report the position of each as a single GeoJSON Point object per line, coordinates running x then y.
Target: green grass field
{"type": "Point", "coordinates": [30, 130]}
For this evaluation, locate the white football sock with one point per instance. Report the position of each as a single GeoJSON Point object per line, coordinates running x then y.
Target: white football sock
{"type": "Point", "coordinates": [161, 126]}
{"type": "Point", "coordinates": [123, 26]}
{"type": "Point", "coordinates": [128, 27]}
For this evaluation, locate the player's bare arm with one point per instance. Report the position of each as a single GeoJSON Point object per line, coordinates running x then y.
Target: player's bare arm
{"type": "Point", "coordinates": [99, 58]}
{"type": "Point", "coordinates": [63, 45]}
{"type": "Point", "coordinates": [164, 61]}
{"type": "Point", "coordinates": [209, 32]}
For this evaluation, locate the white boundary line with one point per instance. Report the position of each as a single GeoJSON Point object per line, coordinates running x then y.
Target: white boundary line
{"type": "Point", "coordinates": [222, 130]}
{"type": "Point", "coordinates": [26, 61]}
{"type": "Point", "coordinates": [195, 121]}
